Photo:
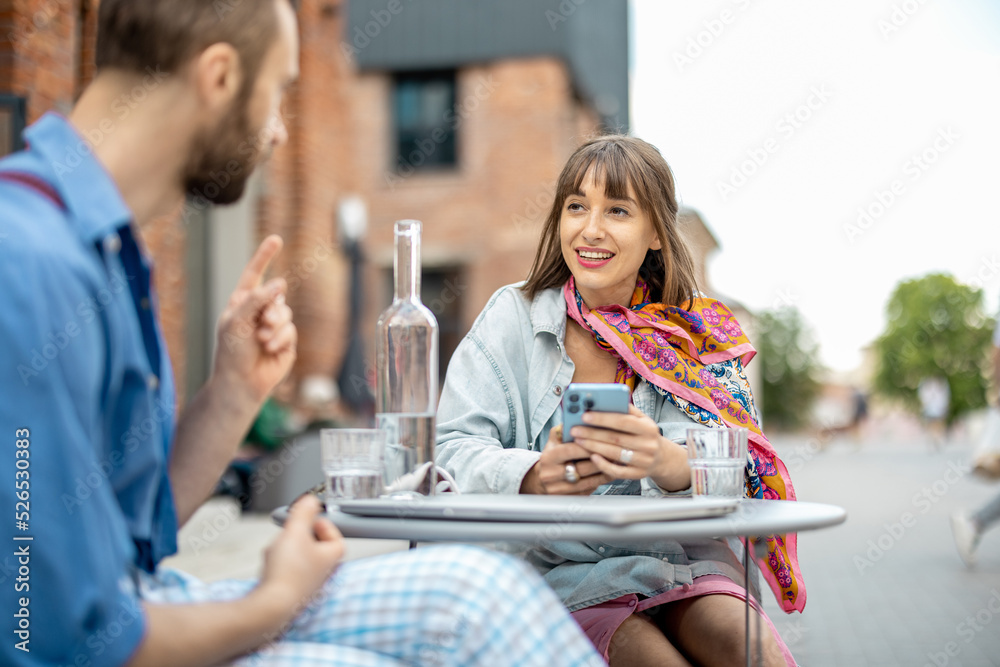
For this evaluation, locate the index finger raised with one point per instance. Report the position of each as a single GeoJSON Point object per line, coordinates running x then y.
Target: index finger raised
{"type": "Point", "coordinates": [257, 266]}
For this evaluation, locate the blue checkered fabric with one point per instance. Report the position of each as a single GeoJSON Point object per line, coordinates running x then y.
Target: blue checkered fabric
{"type": "Point", "coordinates": [435, 606]}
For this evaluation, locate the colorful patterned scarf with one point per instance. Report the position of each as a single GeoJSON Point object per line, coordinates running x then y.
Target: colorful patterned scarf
{"type": "Point", "coordinates": [690, 357]}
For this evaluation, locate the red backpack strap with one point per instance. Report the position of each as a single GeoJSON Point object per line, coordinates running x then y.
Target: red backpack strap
{"type": "Point", "coordinates": [35, 183]}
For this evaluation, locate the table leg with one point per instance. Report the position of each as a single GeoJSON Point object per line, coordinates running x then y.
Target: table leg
{"type": "Point", "coordinates": [413, 544]}
{"type": "Point", "coordinates": [747, 546]}
{"type": "Point", "coordinates": [746, 593]}
{"type": "Point", "coordinates": [760, 643]}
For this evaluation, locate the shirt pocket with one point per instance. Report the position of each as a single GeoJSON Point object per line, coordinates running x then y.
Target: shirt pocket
{"type": "Point", "coordinates": [666, 549]}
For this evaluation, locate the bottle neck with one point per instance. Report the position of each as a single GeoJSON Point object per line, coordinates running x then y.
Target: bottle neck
{"type": "Point", "coordinates": [407, 263]}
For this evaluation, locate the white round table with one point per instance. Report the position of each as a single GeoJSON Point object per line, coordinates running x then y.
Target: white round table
{"type": "Point", "coordinates": [752, 518]}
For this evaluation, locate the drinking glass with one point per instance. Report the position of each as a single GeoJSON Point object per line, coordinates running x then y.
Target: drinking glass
{"type": "Point", "coordinates": [352, 462]}
{"type": "Point", "coordinates": [718, 457]}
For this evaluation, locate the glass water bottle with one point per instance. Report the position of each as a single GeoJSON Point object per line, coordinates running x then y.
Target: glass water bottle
{"type": "Point", "coordinates": [406, 360]}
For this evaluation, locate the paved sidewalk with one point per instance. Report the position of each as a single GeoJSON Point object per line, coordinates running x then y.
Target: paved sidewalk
{"type": "Point", "coordinates": [887, 587]}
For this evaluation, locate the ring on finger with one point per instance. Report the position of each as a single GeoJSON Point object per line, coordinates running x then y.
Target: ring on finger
{"type": "Point", "coordinates": [571, 475]}
{"type": "Point", "coordinates": [625, 456]}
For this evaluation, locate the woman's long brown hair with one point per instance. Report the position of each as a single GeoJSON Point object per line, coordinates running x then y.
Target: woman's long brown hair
{"type": "Point", "coordinates": [620, 161]}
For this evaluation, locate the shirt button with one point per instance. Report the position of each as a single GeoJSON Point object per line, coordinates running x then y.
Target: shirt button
{"type": "Point", "coordinates": [601, 549]}
{"type": "Point", "coordinates": [557, 391]}
{"type": "Point", "coordinates": [631, 603]}
{"type": "Point", "coordinates": [153, 382]}
{"type": "Point", "coordinates": [145, 306]}
{"type": "Point", "coordinates": [112, 244]}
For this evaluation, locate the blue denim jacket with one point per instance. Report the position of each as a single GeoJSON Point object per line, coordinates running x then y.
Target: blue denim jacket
{"type": "Point", "coordinates": [500, 400]}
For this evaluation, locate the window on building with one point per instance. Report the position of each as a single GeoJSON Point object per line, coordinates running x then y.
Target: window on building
{"type": "Point", "coordinates": [13, 110]}
{"type": "Point", "coordinates": [443, 291]}
{"type": "Point", "coordinates": [424, 106]}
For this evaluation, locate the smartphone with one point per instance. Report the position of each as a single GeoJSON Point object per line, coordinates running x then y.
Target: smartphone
{"type": "Point", "coordinates": [581, 397]}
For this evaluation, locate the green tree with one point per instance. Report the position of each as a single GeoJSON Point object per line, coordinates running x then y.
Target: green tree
{"type": "Point", "coordinates": [789, 367]}
{"type": "Point", "coordinates": [936, 327]}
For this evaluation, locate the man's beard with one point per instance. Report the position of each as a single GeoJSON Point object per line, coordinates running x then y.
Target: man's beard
{"type": "Point", "coordinates": [223, 158]}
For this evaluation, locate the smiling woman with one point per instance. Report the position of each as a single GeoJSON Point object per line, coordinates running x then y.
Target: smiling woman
{"type": "Point", "coordinates": [604, 242]}
{"type": "Point", "coordinates": [635, 186]}
{"type": "Point", "coordinates": [611, 297]}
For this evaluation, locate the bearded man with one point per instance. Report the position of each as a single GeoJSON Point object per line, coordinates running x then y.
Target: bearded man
{"type": "Point", "coordinates": [87, 396]}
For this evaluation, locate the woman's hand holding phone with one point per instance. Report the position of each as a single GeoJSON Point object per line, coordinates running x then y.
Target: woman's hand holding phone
{"type": "Point", "coordinates": [629, 446]}
{"type": "Point", "coordinates": [548, 475]}
{"type": "Point", "coordinates": [604, 438]}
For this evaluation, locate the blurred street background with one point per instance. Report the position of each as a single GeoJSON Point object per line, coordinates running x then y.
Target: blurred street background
{"type": "Point", "coordinates": [887, 587]}
{"type": "Point", "coordinates": [838, 198]}
{"type": "Point", "coordinates": [836, 166]}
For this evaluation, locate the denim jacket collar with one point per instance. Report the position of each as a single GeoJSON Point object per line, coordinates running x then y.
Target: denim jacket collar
{"type": "Point", "coordinates": [548, 314]}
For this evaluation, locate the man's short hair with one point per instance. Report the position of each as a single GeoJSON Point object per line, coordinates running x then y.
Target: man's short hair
{"type": "Point", "coordinates": [136, 35]}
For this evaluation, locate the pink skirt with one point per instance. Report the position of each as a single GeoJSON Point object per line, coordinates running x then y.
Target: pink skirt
{"type": "Point", "coordinates": [601, 621]}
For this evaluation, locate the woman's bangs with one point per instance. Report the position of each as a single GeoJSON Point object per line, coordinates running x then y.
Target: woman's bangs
{"type": "Point", "coordinates": [610, 165]}
{"type": "Point", "coordinates": [572, 182]}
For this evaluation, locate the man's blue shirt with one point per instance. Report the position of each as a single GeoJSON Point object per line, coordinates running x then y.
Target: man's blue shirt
{"type": "Point", "coordinates": [86, 389]}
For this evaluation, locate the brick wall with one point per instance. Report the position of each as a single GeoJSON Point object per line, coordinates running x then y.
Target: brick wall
{"type": "Point", "coordinates": [518, 122]}
{"type": "Point", "coordinates": [47, 56]}
{"type": "Point", "coordinates": [520, 119]}
{"type": "Point", "coordinates": [39, 53]}
{"type": "Point", "coordinates": [322, 173]}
